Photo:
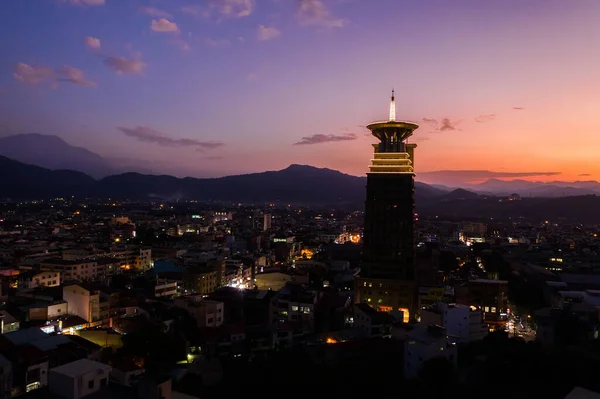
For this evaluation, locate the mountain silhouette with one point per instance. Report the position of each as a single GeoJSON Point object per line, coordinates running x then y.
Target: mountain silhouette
{"type": "Point", "coordinates": [295, 184]}
{"type": "Point", "coordinates": [52, 152]}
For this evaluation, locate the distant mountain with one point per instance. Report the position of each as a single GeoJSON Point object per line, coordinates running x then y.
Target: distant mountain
{"type": "Point", "coordinates": [52, 152]}
{"type": "Point", "coordinates": [297, 184]}
{"type": "Point", "coordinates": [18, 180]}
{"type": "Point", "coordinates": [459, 193]}
{"type": "Point", "coordinates": [535, 188]}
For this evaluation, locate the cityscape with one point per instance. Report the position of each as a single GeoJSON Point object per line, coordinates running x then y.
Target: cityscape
{"type": "Point", "coordinates": [410, 277]}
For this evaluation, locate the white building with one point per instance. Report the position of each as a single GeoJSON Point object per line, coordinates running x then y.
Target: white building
{"type": "Point", "coordinates": [165, 288]}
{"type": "Point", "coordinates": [31, 279]}
{"type": "Point", "coordinates": [82, 302]}
{"type": "Point", "coordinates": [423, 344]}
{"type": "Point", "coordinates": [71, 269]}
{"type": "Point", "coordinates": [79, 379]}
{"type": "Point", "coordinates": [462, 323]}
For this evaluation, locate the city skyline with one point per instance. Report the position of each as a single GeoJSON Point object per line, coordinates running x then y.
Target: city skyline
{"type": "Point", "coordinates": [500, 90]}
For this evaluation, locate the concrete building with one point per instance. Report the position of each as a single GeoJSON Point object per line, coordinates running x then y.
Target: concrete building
{"type": "Point", "coordinates": [423, 344]}
{"type": "Point", "coordinates": [387, 280]}
{"type": "Point", "coordinates": [8, 323]}
{"type": "Point", "coordinates": [79, 379]}
{"type": "Point", "coordinates": [82, 302]}
{"type": "Point", "coordinates": [372, 323]}
{"type": "Point", "coordinates": [31, 279]}
{"type": "Point", "coordinates": [206, 312]}
{"type": "Point", "coordinates": [165, 288]}
{"type": "Point", "coordinates": [267, 218]}
{"type": "Point", "coordinates": [81, 270]}
{"type": "Point", "coordinates": [462, 323]}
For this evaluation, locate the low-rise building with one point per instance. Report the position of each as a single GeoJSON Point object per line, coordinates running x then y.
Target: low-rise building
{"type": "Point", "coordinates": [423, 344]}
{"type": "Point", "coordinates": [206, 312]}
{"type": "Point", "coordinates": [79, 379]}
{"type": "Point", "coordinates": [371, 323]}
{"type": "Point", "coordinates": [462, 323]}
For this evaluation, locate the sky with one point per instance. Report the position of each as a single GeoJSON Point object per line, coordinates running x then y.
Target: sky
{"type": "Point", "coordinates": [500, 88]}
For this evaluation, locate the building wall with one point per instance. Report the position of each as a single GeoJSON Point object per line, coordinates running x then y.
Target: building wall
{"type": "Point", "coordinates": [58, 310]}
{"type": "Point", "coordinates": [82, 303]}
{"type": "Point", "coordinates": [386, 295]}
{"type": "Point", "coordinates": [79, 386]}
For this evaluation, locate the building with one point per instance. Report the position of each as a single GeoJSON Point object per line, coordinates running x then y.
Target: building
{"type": "Point", "coordinates": [5, 378]}
{"type": "Point", "coordinates": [82, 270]}
{"type": "Point", "coordinates": [267, 218]}
{"type": "Point", "coordinates": [165, 288]}
{"type": "Point", "coordinates": [489, 295]}
{"type": "Point", "coordinates": [462, 323]}
{"type": "Point", "coordinates": [79, 379]}
{"type": "Point", "coordinates": [82, 302]}
{"type": "Point", "coordinates": [200, 279]}
{"type": "Point", "coordinates": [206, 312]}
{"type": "Point", "coordinates": [372, 323]}
{"type": "Point", "coordinates": [423, 344]}
{"type": "Point", "coordinates": [387, 280]}
{"type": "Point", "coordinates": [8, 323]}
{"type": "Point", "coordinates": [32, 279]}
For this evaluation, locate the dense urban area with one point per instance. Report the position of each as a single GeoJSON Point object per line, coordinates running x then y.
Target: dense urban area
{"type": "Point", "coordinates": [201, 300]}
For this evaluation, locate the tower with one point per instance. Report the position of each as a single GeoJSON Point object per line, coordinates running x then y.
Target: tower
{"type": "Point", "coordinates": [387, 279]}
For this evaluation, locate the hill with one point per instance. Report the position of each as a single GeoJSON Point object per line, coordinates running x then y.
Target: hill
{"type": "Point", "coordinates": [33, 182]}
{"type": "Point", "coordinates": [52, 152]}
{"type": "Point", "coordinates": [297, 184]}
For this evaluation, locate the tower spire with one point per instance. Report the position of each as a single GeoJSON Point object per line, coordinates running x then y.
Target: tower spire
{"type": "Point", "coordinates": [392, 108]}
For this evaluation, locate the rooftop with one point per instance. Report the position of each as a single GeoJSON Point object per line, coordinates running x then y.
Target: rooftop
{"type": "Point", "coordinates": [80, 367]}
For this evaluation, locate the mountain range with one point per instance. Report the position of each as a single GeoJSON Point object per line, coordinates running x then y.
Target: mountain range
{"type": "Point", "coordinates": [54, 154]}
{"type": "Point", "coordinates": [295, 184]}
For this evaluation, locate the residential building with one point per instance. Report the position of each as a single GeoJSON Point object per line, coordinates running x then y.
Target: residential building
{"type": "Point", "coordinates": [372, 323]}
{"type": "Point", "coordinates": [82, 302]}
{"type": "Point", "coordinates": [79, 379]}
{"type": "Point", "coordinates": [423, 344]}
{"type": "Point", "coordinates": [82, 270]}
{"type": "Point", "coordinates": [8, 323]}
{"type": "Point", "coordinates": [462, 323]}
{"type": "Point", "coordinates": [206, 312]}
{"type": "Point", "coordinates": [32, 279]}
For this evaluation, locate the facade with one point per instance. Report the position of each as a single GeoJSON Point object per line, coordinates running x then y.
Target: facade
{"type": "Point", "coordinates": [71, 269]}
{"type": "Point", "coordinates": [267, 222]}
{"type": "Point", "coordinates": [206, 312]}
{"type": "Point", "coordinates": [462, 323]}
{"type": "Point", "coordinates": [387, 280]}
{"type": "Point", "coordinates": [32, 279]}
{"type": "Point", "coordinates": [82, 302]}
{"type": "Point", "coordinates": [372, 323]}
{"type": "Point", "coordinates": [423, 344]}
{"type": "Point", "coordinates": [165, 288]}
{"type": "Point", "coordinates": [79, 379]}
{"type": "Point", "coordinates": [489, 295]}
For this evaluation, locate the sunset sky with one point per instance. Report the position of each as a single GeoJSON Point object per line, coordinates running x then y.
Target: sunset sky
{"type": "Point", "coordinates": [500, 88]}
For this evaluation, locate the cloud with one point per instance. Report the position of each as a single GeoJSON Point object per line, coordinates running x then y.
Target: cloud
{"type": "Point", "coordinates": [149, 135]}
{"type": "Point", "coordinates": [251, 76]}
{"type": "Point", "coordinates": [518, 108]}
{"type": "Point", "coordinates": [325, 138]}
{"type": "Point", "coordinates": [92, 43]}
{"type": "Point", "coordinates": [224, 8]}
{"type": "Point", "coordinates": [37, 75]}
{"type": "Point", "coordinates": [267, 32]}
{"type": "Point", "coordinates": [485, 118]}
{"type": "Point", "coordinates": [213, 158]}
{"type": "Point", "coordinates": [234, 8]}
{"type": "Point", "coordinates": [87, 2]}
{"type": "Point", "coordinates": [122, 65]}
{"type": "Point", "coordinates": [33, 75]}
{"type": "Point", "coordinates": [447, 125]}
{"type": "Point", "coordinates": [75, 76]}
{"type": "Point", "coordinates": [216, 42]}
{"type": "Point", "coordinates": [315, 13]}
{"type": "Point", "coordinates": [164, 25]}
{"type": "Point", "coordinates": [155, 12]}
{"type": "Point", "coordinates": [585, 175]}
{"type": "Point", "coordinates": [443, 125]}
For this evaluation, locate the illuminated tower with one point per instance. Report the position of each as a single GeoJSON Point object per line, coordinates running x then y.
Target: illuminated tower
{"type": "Point", "coordinates": [387, 279]}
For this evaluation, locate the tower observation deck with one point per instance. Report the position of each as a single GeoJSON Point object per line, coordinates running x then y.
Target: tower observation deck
{"type": "Point", "coordinates": [389, 233]}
